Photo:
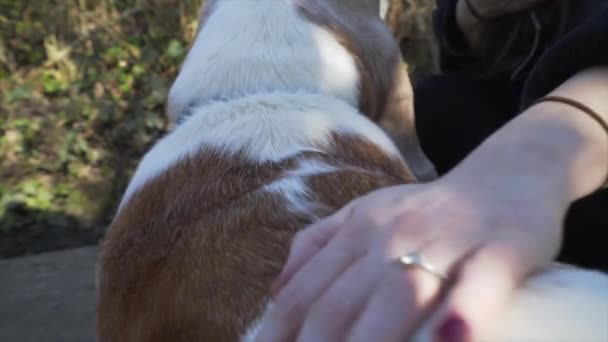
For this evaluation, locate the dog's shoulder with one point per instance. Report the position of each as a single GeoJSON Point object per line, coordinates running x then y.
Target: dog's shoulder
{"type": "Point", "coordinates": [265, 127]}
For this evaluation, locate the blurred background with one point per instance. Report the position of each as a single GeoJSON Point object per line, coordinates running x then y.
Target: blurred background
{"type": "Point", "coordinates": [83, 85]}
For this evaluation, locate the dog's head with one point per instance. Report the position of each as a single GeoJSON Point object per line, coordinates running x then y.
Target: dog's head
{"type": "Point", "coordinates": [340, 48]}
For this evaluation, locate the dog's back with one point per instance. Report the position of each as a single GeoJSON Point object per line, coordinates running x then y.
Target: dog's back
{"type": "Point", "coordinates": [191, 254]}
{"type": "Point", "coordinates": [277, 106]}
{"type": "Point", "coordinates": [278, 135]}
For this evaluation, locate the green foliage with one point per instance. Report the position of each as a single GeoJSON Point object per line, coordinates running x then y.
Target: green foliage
{"type": "Point", "coordinates": [82, 92]}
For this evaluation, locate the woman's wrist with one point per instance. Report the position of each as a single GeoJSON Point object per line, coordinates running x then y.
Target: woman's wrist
{"type": "Point", "coordinates": [590, 88]}
{"type": "Point", "coordinates": [550, 155]}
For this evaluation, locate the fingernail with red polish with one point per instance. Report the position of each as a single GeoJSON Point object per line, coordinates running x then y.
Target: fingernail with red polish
{"type": "Point", "coordinates": [453, 329]}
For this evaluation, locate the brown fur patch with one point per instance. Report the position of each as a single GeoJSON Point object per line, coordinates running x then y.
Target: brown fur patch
{"type": "Point", "coordinates": [192, 254]}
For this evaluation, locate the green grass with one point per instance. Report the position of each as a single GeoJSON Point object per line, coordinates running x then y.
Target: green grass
{"type": "Point", "coordinates": [83, 85]}
{"type": "Point", "coordinates": [82, 91]}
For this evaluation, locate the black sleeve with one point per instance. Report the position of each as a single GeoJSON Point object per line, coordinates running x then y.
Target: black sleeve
{"type": "Point", "coordinates": [454, 52]}
{"type": "Point", "coordinates": [563, 50]}
{"type": "Point", "coordinates": [585, 46]}
{"type": "Point", "coordinates": [509, 45]}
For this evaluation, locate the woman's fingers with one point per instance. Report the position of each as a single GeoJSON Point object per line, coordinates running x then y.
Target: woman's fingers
{"type": "Point", "coordinates": [332, 315]}
{"type": "Point", "coordinates": [407, 294]}
{"type": "Point", "coordinates": [312, 279]}
{"type": "Point", "coordinates": [306, 244]}
{"type": "Point", "coordinates": [293, 302]}
{"type": "Point", "coordinates": [484, 284]}
{"type": "Point", "coordinates": [399, 301]}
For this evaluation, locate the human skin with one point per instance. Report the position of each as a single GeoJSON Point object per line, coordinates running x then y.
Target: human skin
{"type": "Point", "coordinates": [489, 223]}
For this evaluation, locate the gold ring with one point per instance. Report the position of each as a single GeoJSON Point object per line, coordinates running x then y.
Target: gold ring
{"type": "Point", "coordinates": [415, 259]}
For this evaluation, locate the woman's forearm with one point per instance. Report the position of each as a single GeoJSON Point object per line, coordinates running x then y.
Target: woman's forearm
{"type": "Point", "coordinates": [552, 153]}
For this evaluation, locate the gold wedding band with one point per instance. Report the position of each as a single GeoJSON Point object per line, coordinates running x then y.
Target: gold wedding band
{"type": "Point", "coordinates": [415, 259]}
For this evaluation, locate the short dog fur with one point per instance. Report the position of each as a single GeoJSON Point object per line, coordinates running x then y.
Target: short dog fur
{"type": "Point", "coordinates": [285, 111]}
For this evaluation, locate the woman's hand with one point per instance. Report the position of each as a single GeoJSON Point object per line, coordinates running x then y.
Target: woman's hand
{"type": "Point", "coordinates": [342, 282]}
{"type": "Point", "coordinates": [490, 222]}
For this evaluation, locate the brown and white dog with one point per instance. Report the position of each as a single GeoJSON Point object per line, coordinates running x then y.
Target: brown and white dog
{"type": "Point", "coordinates": [285, 111]}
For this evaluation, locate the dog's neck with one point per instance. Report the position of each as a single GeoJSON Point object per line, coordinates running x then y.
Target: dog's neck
{"type": "Point", "coordinates": [267, 127]}
{"type": "Point", "coordinates": [251, 47]}
{"type": "Point", "coordinates": [200, 105]}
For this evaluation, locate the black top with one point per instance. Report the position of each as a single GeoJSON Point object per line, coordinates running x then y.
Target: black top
{"type": "Point", "coordinates": [475, 96]}
{"type": "Point", "coordinates": [581, 42]}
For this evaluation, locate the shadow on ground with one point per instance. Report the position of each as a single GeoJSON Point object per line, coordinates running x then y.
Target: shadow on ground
{"type": "Point", "coordinates": [32, 231]}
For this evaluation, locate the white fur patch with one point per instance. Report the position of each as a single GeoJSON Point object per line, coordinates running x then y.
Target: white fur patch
{"type": "Point", "coordinates": [248, 47]}
{"type": "Point", "coordinates": [560, 304]}
{"type": "Point", "coordinates": [294, 189]}
{"type": "Point", "coordinates": [266, 127]}
{"type": "Point", "coordinates": [565, 304]}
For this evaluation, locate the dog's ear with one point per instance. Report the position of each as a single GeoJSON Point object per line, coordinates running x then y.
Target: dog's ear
{"type": "Point", "coordinates": [399, 121]}
{"type": "Point", "coordinates": [358, 27]}
{"type": "Point", "coordinates": [385, 91]}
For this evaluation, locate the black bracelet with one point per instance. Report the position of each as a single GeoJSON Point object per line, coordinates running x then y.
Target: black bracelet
{"type": "Point", "coordinates": [583, 108]}
{"type": "Point", "coordinates": [476, 13]}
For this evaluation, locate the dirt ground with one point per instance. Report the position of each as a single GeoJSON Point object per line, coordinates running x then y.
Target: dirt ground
{"type": "Point", "coordinates": [49, 297]}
